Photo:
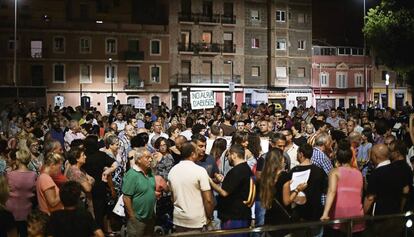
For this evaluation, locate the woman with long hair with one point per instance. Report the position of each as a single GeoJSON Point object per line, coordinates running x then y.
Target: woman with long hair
{"type": "Point", "coordinates": [273, 198]}
{"type": "Point", "coordinates": [219, 146]}
{"type": "Point", "coordinates": [344, 197]}
{"type": "Point", "coordinates": [46, 188]}
{"type": "Point", "coordinates": [22, 182]}
{"type": "Point", "coordinates": [162, 158]}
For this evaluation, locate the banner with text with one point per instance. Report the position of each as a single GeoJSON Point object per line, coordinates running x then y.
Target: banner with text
{"type": "Point", "coordinates": [202, 99]}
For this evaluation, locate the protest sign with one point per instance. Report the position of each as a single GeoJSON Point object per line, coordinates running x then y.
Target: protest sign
{"type": "Point", "coordinates": [202, 99]}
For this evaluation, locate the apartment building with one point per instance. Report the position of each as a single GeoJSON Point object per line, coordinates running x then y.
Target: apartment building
{"type": "Point", "coordinates": [261, 47]}
{"type": "Point", "coordinates": [76, 52]}
{"type": "Point", "coordinates": [338, 76]}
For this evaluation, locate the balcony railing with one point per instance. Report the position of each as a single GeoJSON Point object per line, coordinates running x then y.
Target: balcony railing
{"type": "Point", "coordinates": [207, 79]}
{"type": "Point", "coordinates": [185, 17]}
{"type": "Point", "coordinates": [134, 84]}
{"type": "Point", "coordinates": [209, 18]}
{"type": "Point", "coordinates": [229, 48]}
{"type": "Point", "coordinates": [208, 47]}
{"type": "Point", "coordinates": [134, 55]}
{"type": "Point", "coordinates": [226, 19]}
{"type": "Point", "coordinates": [185, 47]}
{"type": "Point", "coordinates": [206, 18]}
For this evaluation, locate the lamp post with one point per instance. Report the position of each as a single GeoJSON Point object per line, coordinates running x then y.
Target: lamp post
{"type": "Point", "coordinates": [15, 48]}
{"type": "Point", "coordinates": [231, 83]}
{"type": "Point", "coordinates": [365, 67]}
{"type": "Point", "coordinates": [387, 83]}
{"type": "Point", "coordinates": [111, 76]}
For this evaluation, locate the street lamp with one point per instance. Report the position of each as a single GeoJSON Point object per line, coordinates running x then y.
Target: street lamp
{"type": "Point", "coordinates": [231, 83]}
{"type": "Point", "coordinates": [15, 47]}
{"type": "Point", "coordinates": [111, 76]}
{"type": "Point", "coordinates": [365, 67]}
{"type": "Point", "coordinates": [387, 83]}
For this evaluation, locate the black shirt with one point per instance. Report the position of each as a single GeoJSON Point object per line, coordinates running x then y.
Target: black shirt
{"type": "Point", "coordinates": [237, 184]}
{"type": "Point", "coordinates": [300, 140]}
{"type": "Point", "coordinates": [77, 222]}
{"type": "Point", "coordinates": [276, 215]}
{"type": "Point", "coordinates": [387, 186]}
{"type": "Point", "coordinates": [317, 184]}
{"type": "Point", "coordinates": [94, 166]}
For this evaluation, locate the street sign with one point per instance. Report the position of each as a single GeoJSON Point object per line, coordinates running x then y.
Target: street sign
{"type": "Point", "coordinates": [231, 86]}
{"type": "Point", "coordinates": [202, 99]}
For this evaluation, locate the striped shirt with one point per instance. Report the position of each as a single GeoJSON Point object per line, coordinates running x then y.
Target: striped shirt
{"type": "Point", "coordinates": [321, 160]}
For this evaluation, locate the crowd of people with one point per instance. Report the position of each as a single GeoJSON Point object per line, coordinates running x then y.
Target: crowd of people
{"type": "Point", "coordinates": [78, 172]}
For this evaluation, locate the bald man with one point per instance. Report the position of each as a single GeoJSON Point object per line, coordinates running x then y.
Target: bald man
{"type": "Point", "coordinates": [386, 191]}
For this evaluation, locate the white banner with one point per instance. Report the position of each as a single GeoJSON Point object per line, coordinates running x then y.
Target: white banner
{"type": "Point", "coordinates": [202, 99]}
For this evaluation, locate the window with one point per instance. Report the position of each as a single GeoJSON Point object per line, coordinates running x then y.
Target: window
{"type": "Point", "coordinates": [155, 47]}
{"type": "Point", "coordinates": [301, 72]}
{"type": "Point", "coordinates": [10, 43]}
{"type": "Point", "coordinates": [301, 18]}
{"type": "Point", "coordinates": [155, 74]}
{"type": "Point", "coordinates": [255, 71]}
{"type": "Point", "coordinates": [133, 77]}
{"type": "Point", "coordinates": [358, 80]}
{"type": "Point", "coordinates": [85, 45]}
{"type": "Point", "coordinates": [36, 49]}
{"type": "Point", "coordinates": [281, 72]}
{"type": "Point", "coordinates": [110, 46]}
{"type": "Point", "coordinates": [341, 80]}
{"type": "Point", "coordinates": [206, 37]}
{"type": "Point", "coordinates": [280, 16]}
{"type": "Point", "coordinates": [281, 44]}
{"type": "Point", "coordinates": [248, 98]}
{"type": "Point", "coordinates": [155, 101]}
{"type": "Point", "coordinates": [85, 73]}
{"type": "Point", "coordinates": [59, 44]}
{"type": "Point", "coordinates": [111, 71]}
{"type": "Point", "coordinates": [301, 45]}
{"type": "Point", "coordinates": [324, 77]}
{"type": "Point", "coordinates": [254, 15]}
{"type": "Point", "coordinates": [255, 43]}
{"type": "Point", "coordinates": [59, 73]}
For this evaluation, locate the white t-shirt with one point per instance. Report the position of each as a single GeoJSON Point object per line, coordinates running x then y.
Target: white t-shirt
{"type": "Point", "coordinates": [187, 134]}
{"type": "Point", "coordinates": [187, 181]}
{"type": "Point", "coordinates": [293, 153]}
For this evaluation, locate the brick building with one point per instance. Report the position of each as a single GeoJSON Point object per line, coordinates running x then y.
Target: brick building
{"type": "Point", "coordinates": [70, 51]}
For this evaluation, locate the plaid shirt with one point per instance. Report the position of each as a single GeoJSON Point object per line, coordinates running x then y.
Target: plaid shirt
{"type": "Point", "coordinates": [321, 160]}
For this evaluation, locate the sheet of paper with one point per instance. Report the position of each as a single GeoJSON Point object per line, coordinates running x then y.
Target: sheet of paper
{"type": "Point", "coordinates": [299, 178]}
{"type": "Point", "coordinates": [264, 143]}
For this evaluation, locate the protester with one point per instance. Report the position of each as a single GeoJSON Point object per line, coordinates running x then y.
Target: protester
{"type": "Point", "coordinates": [22, 183]}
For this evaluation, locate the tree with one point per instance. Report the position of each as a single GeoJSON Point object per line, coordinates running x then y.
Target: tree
{"type": "Point", "coordinates": [389, 30]}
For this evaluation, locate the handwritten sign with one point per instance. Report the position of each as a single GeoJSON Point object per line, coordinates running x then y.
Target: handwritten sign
{"type": "Point", "coordinates": [202, 99]}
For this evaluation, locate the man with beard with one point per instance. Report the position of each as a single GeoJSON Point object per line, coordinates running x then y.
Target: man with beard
{"type": "Point", "coordinates": [204, 160]}
{"type": "Point", "coordinates": [56, 131]}
{"type": "Point", "coordinates": [237, 193]}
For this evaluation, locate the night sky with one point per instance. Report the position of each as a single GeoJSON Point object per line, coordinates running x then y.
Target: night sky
{"type": "Point", "coordinates": [335, 22]}
{"type": "Point", "coordinates": [339, 22]}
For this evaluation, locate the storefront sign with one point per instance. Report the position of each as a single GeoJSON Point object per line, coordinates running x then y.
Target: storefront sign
{"type": "Point", "coordinates": [202, 99]}
{"type": "Point", "coordinates": [305, 98]}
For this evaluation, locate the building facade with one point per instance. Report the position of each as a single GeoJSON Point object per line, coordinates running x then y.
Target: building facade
{"type": "Point", "coordinates": [261, 47]}
{"type": "Point", "coordinates": [86, 53]}
{"type": "Point", "coordinates": [338, 77]}
{"type": "Point", "coordinates": [397, 89]}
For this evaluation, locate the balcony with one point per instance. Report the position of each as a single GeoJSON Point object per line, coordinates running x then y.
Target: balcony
{"type": "Point", "coordinates": [185, 17]}
{"type": "Point", "coordinates": [207, 79]}
{"type": "Point", "coordinates": [208, 18]}
{"type": "Point", "coordinates": [134, 84]}
{"type": "Point", "coordinates": [208, 48]}
{"type": "Point", "coordinates": [185, 47]}
{"type": "Point", "coordinates": [228, 19]}
{"type": "Point", "coordinates": [134, 55]}
{"type": "Point", "coordinates": [229, 48]}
